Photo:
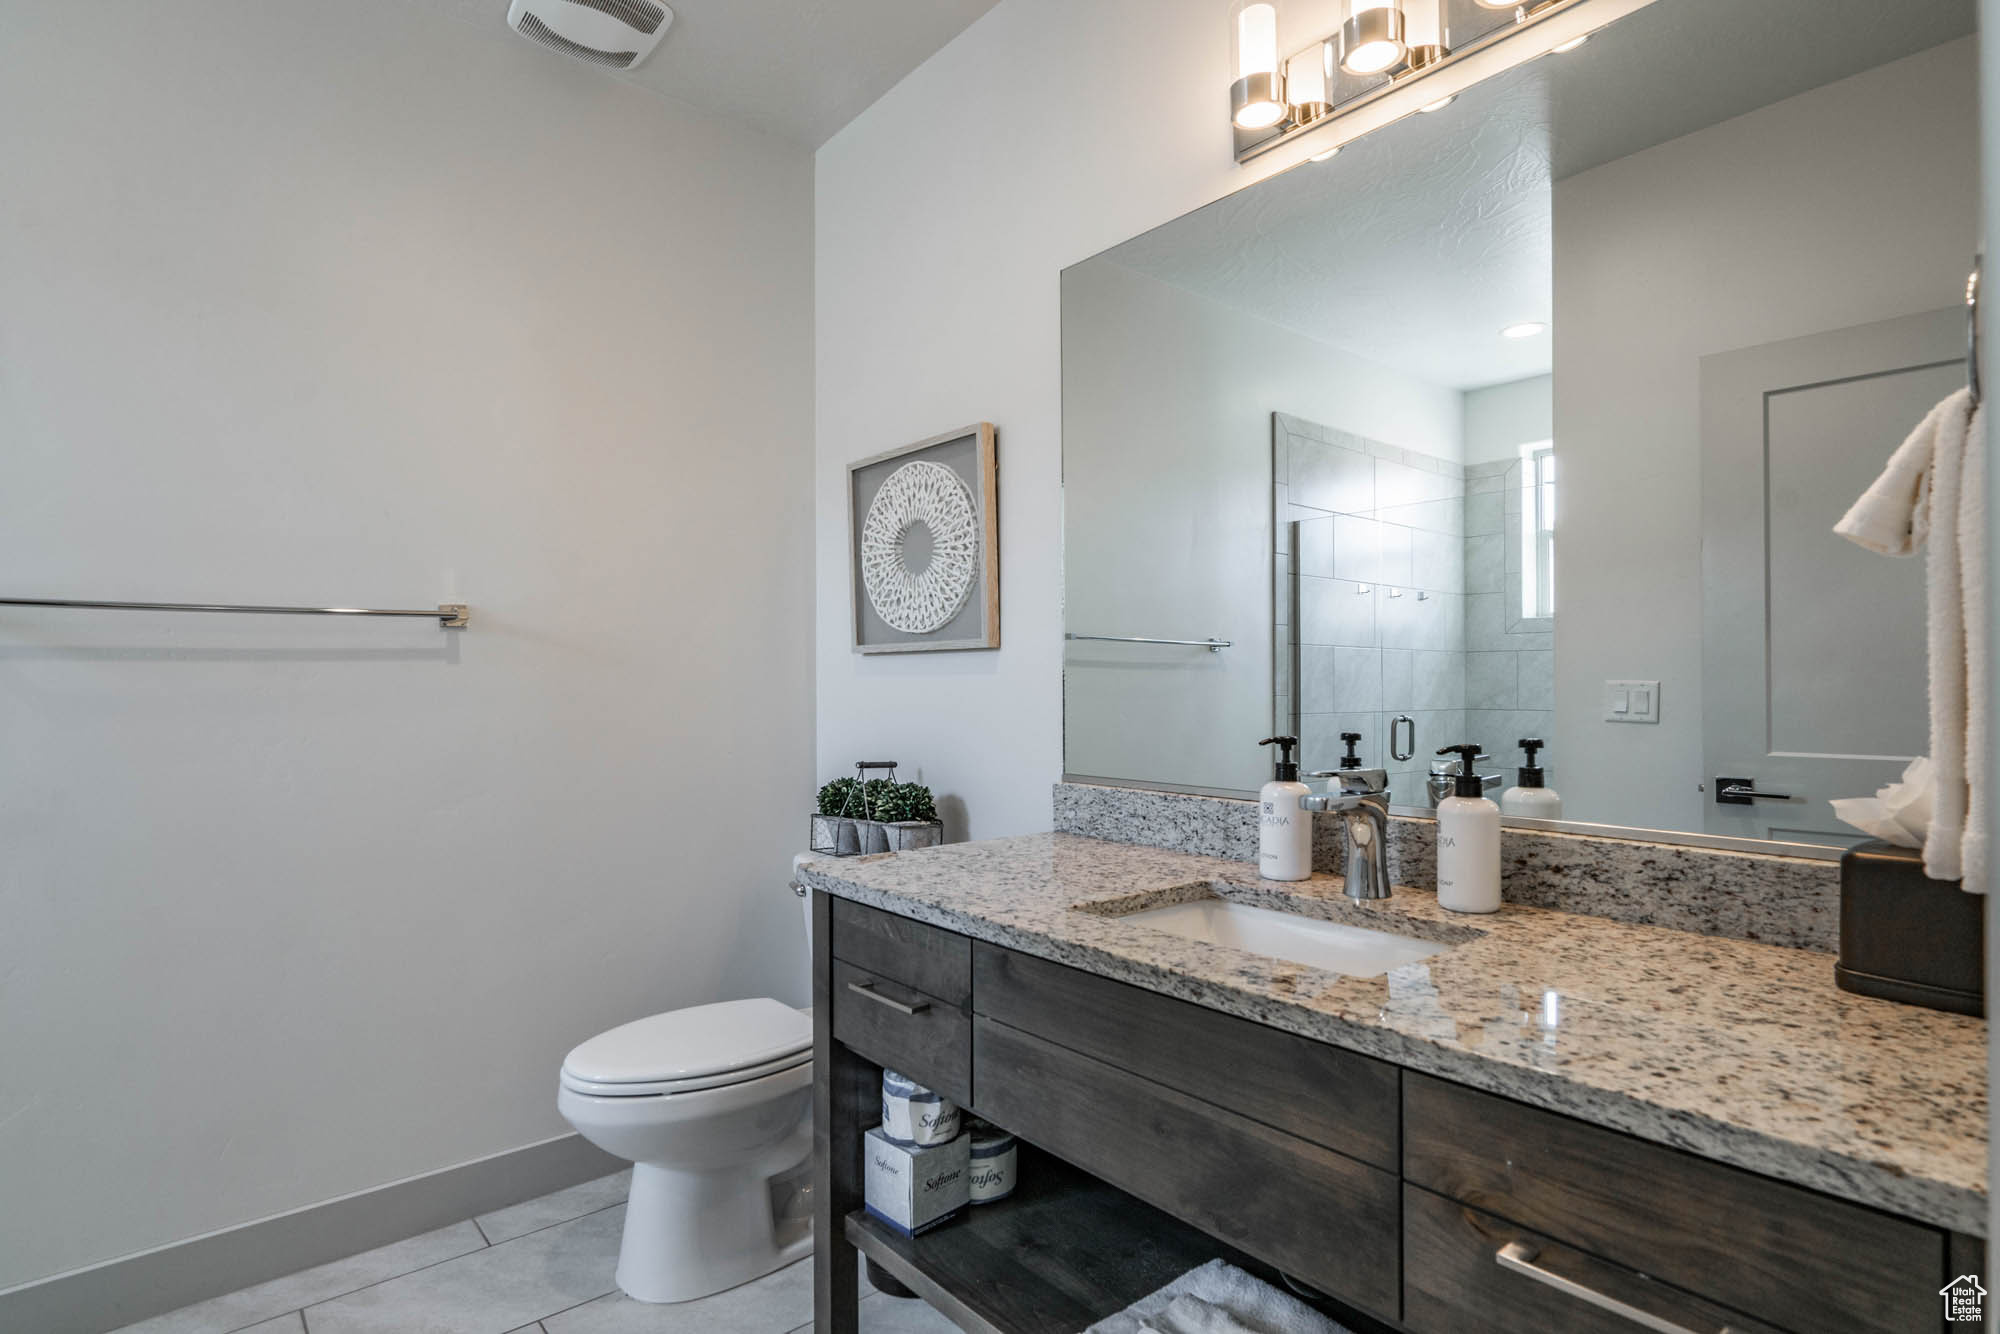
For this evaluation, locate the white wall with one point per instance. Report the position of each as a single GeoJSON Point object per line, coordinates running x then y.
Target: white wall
{"type": "Point", "coordinates": [1500, 418]}
{"type": "Point", "coordinates": [1847, 204]}
{"type": "Point", "coordinates": [1046, 132]}
{"type": "Point", "coordinates": [356, 304]}
{"type": "Point", "coordinates": [1167, 475]}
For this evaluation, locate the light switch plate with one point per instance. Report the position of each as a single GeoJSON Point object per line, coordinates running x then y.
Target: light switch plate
{"type": "Point", "coordinates": [1631, 701]}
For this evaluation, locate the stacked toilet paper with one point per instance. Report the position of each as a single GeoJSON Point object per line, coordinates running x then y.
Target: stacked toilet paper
{"type": "Point", "coordinates": [924, 1164]}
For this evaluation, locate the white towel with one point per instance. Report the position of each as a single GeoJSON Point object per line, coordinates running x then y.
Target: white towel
{"type": "Point", "coordinates": [1977, 600]}
{"type": "Point", "coordinates": [1192, 1315]}
{"type": "Point", "coordinates": [1932, 495]}
{"type": "Point", "coordinates": [1217, 1298]}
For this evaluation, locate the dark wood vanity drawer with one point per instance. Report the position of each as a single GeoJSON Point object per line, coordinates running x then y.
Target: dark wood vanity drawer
{"type": "Point", "coordinates": [903, 1029]}
{"type": "Point", "coordinates": [1453, 1281]}
{"type": "Point", "coordinates": [1323, 1217]}
{"type": "Point", "coordinates": [1787, 1255]}
{"type": "Point", "coordinates": [1335, 1098]}
{"type": "Point", "coordinates": [934, 961]}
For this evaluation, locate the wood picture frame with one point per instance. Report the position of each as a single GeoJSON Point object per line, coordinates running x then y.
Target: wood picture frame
{"type": "Point", "coordinates": [969, 454]}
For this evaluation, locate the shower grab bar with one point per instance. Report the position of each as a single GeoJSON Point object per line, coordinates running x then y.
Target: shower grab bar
{"type": "Point", "coordinates": [1212, 645]}
{"type": "Point", "coordinates": [449, 615]}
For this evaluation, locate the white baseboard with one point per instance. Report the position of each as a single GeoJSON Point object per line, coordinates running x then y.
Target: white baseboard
{"type": "Point", "coordinates": [135, 1287]}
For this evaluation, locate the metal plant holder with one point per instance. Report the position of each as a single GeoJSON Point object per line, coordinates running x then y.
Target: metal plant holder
{"type": "Point", "coordinates": [856, 833]}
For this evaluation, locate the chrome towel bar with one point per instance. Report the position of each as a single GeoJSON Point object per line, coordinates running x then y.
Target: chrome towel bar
{"type": "Point", "coordinates": [453, 615]}
{"type": "Point", "coordinates": [1212, 645]}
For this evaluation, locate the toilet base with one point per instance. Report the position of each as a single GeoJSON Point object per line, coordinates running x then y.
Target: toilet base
{"type": "Point", "coordinates": [692, 1234]}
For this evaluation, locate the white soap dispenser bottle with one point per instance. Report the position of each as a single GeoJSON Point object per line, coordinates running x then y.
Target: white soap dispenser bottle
{"type": "Point", "coordinates": [1531, 797]}
{"type": "Point", "coordinates": [1284, 829]}
{"type": "Point", "coordinates": [1468, 832]}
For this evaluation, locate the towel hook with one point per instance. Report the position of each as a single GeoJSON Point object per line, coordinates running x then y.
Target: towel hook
{"type": "Point", "coordinates": [1972, 327]}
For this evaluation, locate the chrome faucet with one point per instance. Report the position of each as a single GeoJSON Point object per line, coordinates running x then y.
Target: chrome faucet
{"type": "Point", "coordinates": [1444, 773]}
{"type": "Point", "coordinates": [1363, 805]}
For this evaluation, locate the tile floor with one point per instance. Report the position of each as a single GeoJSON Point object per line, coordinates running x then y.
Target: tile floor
{"type": "Point", "coordinates": [541, 1267]}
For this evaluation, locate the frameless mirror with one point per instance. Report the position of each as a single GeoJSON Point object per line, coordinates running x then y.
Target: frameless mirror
{"type": "Point", "coordinates": [1531, 418]}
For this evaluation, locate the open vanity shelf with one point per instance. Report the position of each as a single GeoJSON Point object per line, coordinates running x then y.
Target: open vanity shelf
{"type": "Point", "coordinates": [1063, 1252]}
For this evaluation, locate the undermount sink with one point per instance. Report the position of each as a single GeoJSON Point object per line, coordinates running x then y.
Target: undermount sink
{"type": "Point", "coordinates": [1353, 950]}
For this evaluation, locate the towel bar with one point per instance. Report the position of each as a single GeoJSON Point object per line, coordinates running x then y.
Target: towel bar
{"type": "Point", "coordinates": [449, 615]}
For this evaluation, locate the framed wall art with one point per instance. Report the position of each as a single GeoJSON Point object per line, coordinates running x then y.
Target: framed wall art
{"type": "Point", "coordinates": [924, 541]}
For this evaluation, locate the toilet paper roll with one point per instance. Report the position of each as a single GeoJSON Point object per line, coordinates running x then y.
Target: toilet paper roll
{"type": "Point", "coordinates": [993, 1163]}
{"type": "Point", "coordinates": [912, 1114]}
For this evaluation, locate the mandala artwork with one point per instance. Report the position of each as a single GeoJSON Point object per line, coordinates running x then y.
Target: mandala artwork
{"type": "Point", "coordinates": [921, 600]}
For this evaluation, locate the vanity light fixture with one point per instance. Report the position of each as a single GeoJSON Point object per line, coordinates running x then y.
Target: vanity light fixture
{"type": "Point", "coordinates": [1525, 329]}
{"type": "Point", "coordinates": [1257, 98]}
{"type": "Point", "coordinates": [1425, 37]}
{"type": "Point", "coordinates": [1381, 47]}
{"type": "Point", "coordinates": [1371, 40]}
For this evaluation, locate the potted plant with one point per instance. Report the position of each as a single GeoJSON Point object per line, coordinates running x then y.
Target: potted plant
{"type": "Point", "coordinates": [861, 815]}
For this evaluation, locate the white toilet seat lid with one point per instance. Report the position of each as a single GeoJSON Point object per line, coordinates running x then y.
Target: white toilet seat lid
{"type": "Point", "coordinates": [656, 1088]}
{"type": "Point", "coordinates": [703, 1042]}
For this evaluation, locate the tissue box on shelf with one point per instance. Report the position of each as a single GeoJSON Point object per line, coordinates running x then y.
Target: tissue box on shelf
{"type": "Point", "coordinates": [1905, 937]}
{"type": "Point", "coordinates": [913, 1188]}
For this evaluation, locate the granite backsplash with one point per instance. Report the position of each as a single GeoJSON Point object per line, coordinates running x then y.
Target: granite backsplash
{"type": "Point", "coordinates": [1791, 901]}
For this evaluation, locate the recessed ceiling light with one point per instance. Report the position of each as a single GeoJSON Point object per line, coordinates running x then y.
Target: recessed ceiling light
{"type": "Point", "coordinates": [1440, 104]}
{"type": "Point", "coordinates": [1525, 329]}
{"type": "Point", "coordinates": [1571, 44]}
{"type": "Point", "coordinates": [1321, 157]}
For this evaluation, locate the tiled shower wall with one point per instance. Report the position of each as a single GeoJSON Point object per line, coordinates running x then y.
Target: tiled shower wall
{"type": "Point", "coordinates": [1370, 598]}
{"type": "Point", "coordinates": [1510, 661]}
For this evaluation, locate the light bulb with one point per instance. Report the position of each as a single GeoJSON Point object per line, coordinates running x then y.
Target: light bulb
{"type": "Point", "coordinates": [1440, 104]}
{"type": "Point", "coordinates": [1571, 44]}
{"type": "Point", "coordinates": [1425, 37]}
{"type": "Point", "coordinates": [1256, 40]}
{"type": "Point", "coordinates": [1309, 83]}
{"type": "Point", "coordinates": [1257, 97]}
{"type": "Point", "coordinates": [1371, 40]}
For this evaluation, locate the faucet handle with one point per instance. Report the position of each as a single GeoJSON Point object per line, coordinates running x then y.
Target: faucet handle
{"type": "Point", "coordinates": [1362, 782]}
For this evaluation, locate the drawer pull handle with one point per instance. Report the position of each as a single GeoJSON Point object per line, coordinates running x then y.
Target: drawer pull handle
{"type": "Point", "coordinates": [1519, 1257]}
{"type": "Point", "coordinates": [868, 989]}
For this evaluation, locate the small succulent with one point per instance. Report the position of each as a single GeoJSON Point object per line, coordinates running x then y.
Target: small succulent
{"type": "Point", "coordinates": [841, 797]}
{"type": "Point", "coordinates": [907, 801]}
{"type": "Point", "coordinates": [877, 799]}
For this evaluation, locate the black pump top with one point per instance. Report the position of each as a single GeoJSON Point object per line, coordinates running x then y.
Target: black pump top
{"type": "Point", "coordinates": [1286, 770]}
{"type": "Point", "coordinates": [1466, 782]}
{"type": "Point", "coordinates": [1531, 773]}
{"type": "Point", "coordinates": [1350, 760]}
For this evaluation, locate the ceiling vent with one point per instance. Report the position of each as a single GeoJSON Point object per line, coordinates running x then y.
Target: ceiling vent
{"type": "Point", "coordinates": [616, 34]}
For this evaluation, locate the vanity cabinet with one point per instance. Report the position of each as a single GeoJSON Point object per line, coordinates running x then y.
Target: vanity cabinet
{"type": "Point", "coordinates": [1790, 1256]}
{"type": "Point", "coordinates": [1184, 1133]}
{"type": "Point", "coordinates": [1334, 1098]}
{"type": "Point", "coordinates": [1453, 1283]}
{"type": "Point", "coordinates": [1325, 1218]}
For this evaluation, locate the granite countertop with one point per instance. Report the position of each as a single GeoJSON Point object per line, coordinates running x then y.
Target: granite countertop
{"type": "Point", "coordinates": [1740, 1052]}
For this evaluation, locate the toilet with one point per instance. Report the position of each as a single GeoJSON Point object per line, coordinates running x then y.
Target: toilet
{"type": "Point", "coordinates": [713, 1106]}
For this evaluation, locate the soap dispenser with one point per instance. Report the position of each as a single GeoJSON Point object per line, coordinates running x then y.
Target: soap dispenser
{"type": "Point", "coordinates": [1284, 829]}
{"type": "Point", "coordinates": [1531, 796]}
{"type": "Point", "coordinates": [1468, 835]}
